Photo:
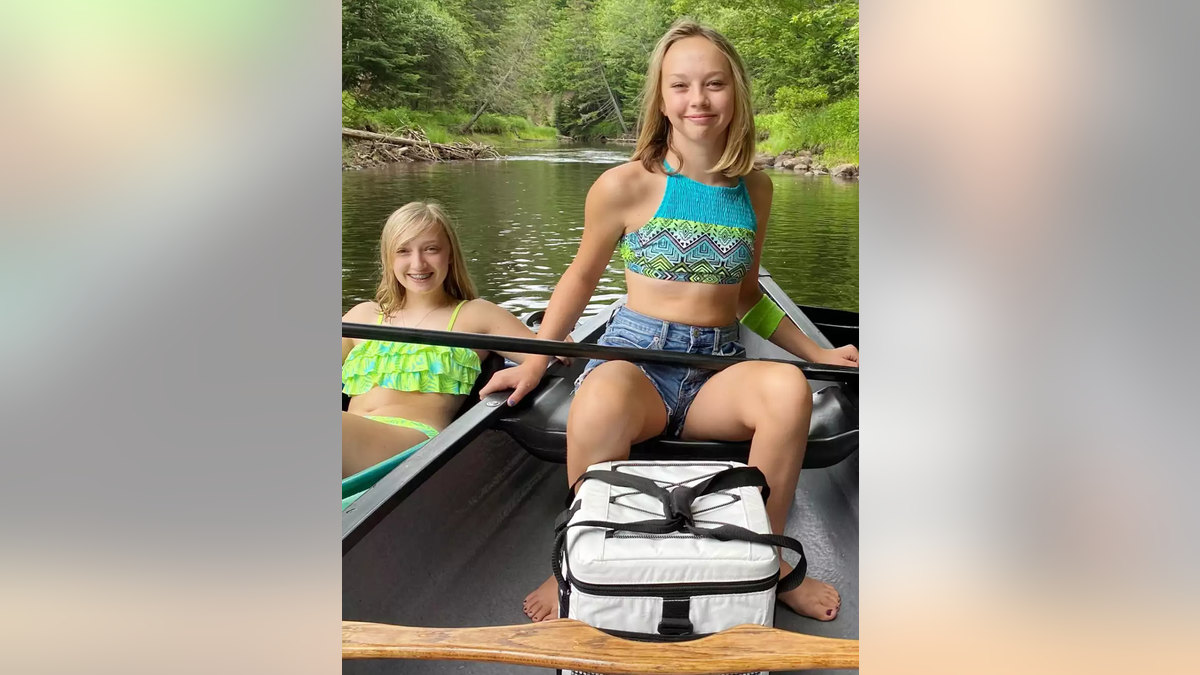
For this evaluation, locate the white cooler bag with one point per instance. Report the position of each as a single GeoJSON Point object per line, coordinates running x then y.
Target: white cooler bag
{"type": "Point", "coordinates": [667, 551]}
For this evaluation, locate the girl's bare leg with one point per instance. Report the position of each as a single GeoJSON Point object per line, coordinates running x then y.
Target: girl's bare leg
{"type": "Point", "coordinates": [366, 443]}
{"type": "Point", "coordinates": [615, 407]}
{"type": "Point", "coordinates": [771, 404]}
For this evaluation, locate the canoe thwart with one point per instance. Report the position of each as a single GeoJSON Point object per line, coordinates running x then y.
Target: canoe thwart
{"type": "Point", "coordinates": [573, 645]}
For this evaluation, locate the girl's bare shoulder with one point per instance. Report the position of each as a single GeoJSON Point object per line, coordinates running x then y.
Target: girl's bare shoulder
{"type": "Point", "coordinates": [626, 184]}
{"type": "Point", "coordinates": [484, 316]}
{"type": "Point", "coordinates": [474, 310]}
{"type": "Point", "coordinates": [363, 312]}
{"type": "Point", "coordinates": [757, 181]}
{"type": "Point", "coordinates": [760, 188]}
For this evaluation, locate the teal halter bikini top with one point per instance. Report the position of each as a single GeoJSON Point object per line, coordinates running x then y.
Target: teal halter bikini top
{"type": "Point", "coordinates": [700, 233]}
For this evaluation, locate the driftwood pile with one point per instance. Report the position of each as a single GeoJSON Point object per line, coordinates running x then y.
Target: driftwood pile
{"type": "Point", "coordinates": [367, 149]}
{"type": "Point", "coordinates": [619, 140]}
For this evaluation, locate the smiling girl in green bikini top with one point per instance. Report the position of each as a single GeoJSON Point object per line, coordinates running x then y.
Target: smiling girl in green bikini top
{"type": "Point", "coordinates": [404, 393]}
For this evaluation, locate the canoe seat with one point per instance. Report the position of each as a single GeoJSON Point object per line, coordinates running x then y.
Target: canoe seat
{"type": "Point", "coordinates": [539, 424]}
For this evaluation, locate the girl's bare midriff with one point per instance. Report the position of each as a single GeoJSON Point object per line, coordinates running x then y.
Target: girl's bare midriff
{"type": "Point", "coordinates": [436, 410]}
{"type": "Point", "coordinates": [687, 303]}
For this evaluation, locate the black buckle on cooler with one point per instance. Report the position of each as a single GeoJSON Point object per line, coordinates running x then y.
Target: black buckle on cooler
{"type": "Point", "coordinates": [675, 620]}
{"type": "Point", "coordinates": [674, 627]}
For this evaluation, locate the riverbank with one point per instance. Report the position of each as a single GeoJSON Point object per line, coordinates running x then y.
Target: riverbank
{"type": "Point", "coordinates": [364, 149]}
{"type": "Point", "coordinates": [803, 161]}
{"type": "Point", "coordinates": [437, 127]}
{"type": "Point", "coordinates": [821, 141]}
{"type": "Point", "coordinates": [815, 142]}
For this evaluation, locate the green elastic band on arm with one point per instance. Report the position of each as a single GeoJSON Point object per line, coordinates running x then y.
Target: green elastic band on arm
{"type": "Point", "coordinates": [763, 318]}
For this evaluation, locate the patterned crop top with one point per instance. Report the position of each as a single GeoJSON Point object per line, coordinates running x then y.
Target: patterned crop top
{"type": "Point", "coordinates": [700, 233]}
{"type": "Point", "coordinates": [405, 366]}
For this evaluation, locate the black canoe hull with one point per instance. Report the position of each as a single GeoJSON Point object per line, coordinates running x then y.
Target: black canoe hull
{"type": "Point", "coordinates": [460, 532]}
{"type": "Point", "coordinates": [469, 545]}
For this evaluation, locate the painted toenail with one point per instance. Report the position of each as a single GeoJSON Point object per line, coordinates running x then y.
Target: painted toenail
{"type": "Point", "coordinates": [829, 612]}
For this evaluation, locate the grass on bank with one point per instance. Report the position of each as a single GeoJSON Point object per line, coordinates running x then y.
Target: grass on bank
{"type": "Point", "coordinates": [443, 126]}
{"type": "Point", "coordinates": [831, 131]}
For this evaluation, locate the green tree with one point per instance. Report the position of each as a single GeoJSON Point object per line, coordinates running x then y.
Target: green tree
{"type": "Point", "coordinates": [377, 52]}
{"type": "Point", "coordinates": [575, 70]}
{"type": "Point", "coordinates": [570, 71]}
{"type": "Point", "coordinates": [448, 56]}
{"type": "Point", "coordinates": [410, 52]}
{"type": "Point", "coordinates": [828, 36]}
{"type": "Point", "coordinates": [804, 44]}
{"type": "Point", "coordinates": [626, 32]}
{"type": "Point", "coordinates": [583, 61]}
{"type": "Point", "coordinates": [509, 76]}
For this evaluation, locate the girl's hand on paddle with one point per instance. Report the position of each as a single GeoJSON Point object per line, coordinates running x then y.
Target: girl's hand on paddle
{"type": "Point", "coordinates": [521, 379]}
{"type": "Point", "coordinates": [842, 356]}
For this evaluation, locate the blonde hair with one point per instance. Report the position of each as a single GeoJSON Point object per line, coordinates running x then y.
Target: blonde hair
{"type": "Point", "coordinates": [411, 220]}
{"type": "Point", "coordinates": [654, 128]}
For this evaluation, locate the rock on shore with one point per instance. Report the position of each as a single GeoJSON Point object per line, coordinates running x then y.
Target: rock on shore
{"type": "Point", "coordinates": [803, 162]}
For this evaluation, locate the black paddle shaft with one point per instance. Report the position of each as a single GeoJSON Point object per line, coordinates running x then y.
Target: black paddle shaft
{"type": "Point", "coordinates": [362, 331]}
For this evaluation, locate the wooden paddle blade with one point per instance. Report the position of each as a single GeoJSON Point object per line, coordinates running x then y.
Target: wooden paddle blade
{"type": "Point", "coordinates": [570, 644]}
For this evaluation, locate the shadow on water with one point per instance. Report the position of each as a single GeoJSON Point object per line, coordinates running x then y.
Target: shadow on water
{"type": "Point", "coordinates": [520, 220]}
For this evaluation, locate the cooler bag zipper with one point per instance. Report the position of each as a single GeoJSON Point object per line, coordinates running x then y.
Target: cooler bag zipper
{"type": "Point", "coordinates": [676, 590]}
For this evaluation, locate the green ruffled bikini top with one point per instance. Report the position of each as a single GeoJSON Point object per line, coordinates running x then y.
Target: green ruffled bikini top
{"type": "Point", "coordinates": [405, 366]}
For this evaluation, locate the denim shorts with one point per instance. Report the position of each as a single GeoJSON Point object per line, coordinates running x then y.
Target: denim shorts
{"type": "Point", "coordinates": [677, 385]}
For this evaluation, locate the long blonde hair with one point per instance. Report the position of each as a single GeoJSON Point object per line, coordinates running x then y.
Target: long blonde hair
{"type": "Point", "coordinates": [411, 220]}
{"type": "Point", "coordinates": [654, 128]}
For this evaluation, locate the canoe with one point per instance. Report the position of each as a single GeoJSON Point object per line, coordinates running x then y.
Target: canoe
{"type": "Point", "coordinates": [461, 531]}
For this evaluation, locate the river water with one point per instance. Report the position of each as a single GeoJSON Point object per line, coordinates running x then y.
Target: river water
{"type": "Point", "coordinates": [520, 220]}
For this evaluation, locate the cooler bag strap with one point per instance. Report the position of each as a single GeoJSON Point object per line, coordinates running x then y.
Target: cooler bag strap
{"type": "Point", "coordinates": [643, 485]}
{"type": "Point", "coordinates": [737, 533]}
{"type": "Point", "coordinates": [739, 476]}
{"type": "Point", "coordinates": [565, 517]}
{"type": "Point", "coordinates": [735, 477]}
{"type": "Point", "coordinates": [677, 507]}
{"type": "Point", "coordinates": [722, 533]}
{"type": "Point", "coordinates": [643, 526]}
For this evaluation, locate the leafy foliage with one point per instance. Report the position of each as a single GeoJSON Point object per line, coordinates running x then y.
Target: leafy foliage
{"type": "Point", "coordinates": [403, 52]}
{"type": "Point", "coordinates": [832, 131]}
{"type": "Point", "coordinates": [581, 63]}
{"type": "Point", "coordinates": [793, 99]}
{"type": "Point", "coordinates": [510, 77]}
{"type": "Point", "coordinates": [806, 44]}
{"type": "Point", "coordinates": [378, 53]}
{"type": "Point", "coordinates": [439, 126]}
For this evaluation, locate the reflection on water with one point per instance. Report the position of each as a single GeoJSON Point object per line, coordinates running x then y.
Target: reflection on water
{"type": "Point", "coordinates": [520, 219]}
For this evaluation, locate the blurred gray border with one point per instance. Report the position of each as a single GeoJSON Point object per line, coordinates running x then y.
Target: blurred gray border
{"type": "Point", "coordinates": [170, 419]}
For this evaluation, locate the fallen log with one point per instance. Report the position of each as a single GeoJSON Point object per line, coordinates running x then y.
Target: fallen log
{"type": "Point", "coordinates": [408, 145]}
{"type": "Point", "coordinates": [457, 148]}
{"type": "Point", "coordinates": [384, 138]}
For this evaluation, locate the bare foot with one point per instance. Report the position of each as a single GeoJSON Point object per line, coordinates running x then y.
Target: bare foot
{"type": "Point", "coordinates": [542, 603]}
{"type": "Point", "coordinates": [814, 599]}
